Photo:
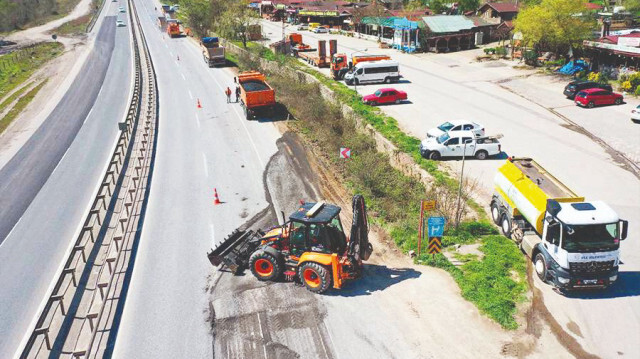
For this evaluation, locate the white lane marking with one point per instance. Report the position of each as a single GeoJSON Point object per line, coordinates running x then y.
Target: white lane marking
{"type": "Point", "coordinates": [171, 53]}
{"type": "Point", "coordinates": [190, 95]}
{"type": "Point", "coordinates": [204, 162]}
{"type": "Point", "coordinates": [198, 121]}
{"type": "Point", "coordinates": [177, 64]}
{"type": "Point", "coordinates": [165, 44]}
{"type": "Point", "coordinates": [264, 347]}
{"type": "Point", "coordinates": [183, 76]}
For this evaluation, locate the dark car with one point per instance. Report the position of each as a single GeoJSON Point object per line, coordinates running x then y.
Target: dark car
{"type": "Point", "coordinates": [595, 97]}
{"type": "Point", "coordinates": [576, 86]}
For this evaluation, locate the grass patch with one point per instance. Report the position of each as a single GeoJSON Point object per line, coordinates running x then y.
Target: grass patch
{"type": "Point", "coordinates": [73, 27]}
{"type": "Point", "coordinates": [13, 97]}
{"type": "Point", "coordinates": [17, 67]}
{"type": "Point", "coordinates": [19, 106]}
{"type": "Point", "coordinates": [393, 198]}
{"type": "Point", "coordinates": [495, 284]}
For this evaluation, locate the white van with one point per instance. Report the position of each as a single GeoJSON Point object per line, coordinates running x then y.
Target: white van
{"type": "Point", "coordinates": [373, 71]}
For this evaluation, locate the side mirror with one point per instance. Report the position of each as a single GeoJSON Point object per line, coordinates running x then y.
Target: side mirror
{"type": "Point", "coordinates": [622, 229]}
{"type": "Point", "coordinates": [553, 207]}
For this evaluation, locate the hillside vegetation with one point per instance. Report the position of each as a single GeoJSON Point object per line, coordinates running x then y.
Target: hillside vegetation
{"type": "Point", "coordinates": [19, 14]}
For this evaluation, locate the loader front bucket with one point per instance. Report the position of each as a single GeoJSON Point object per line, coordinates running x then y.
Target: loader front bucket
{"type": "Point", "coordinates": [236, 249]}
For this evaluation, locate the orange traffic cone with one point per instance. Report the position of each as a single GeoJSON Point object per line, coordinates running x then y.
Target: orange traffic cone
{"type": "Point", "coordinates": [199, 105]}
{"type": "Point", "coordinates": [216, 198]}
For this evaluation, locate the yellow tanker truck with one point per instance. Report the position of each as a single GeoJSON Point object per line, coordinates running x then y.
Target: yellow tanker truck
{"type": "Point", "coordinates": [572, 243]}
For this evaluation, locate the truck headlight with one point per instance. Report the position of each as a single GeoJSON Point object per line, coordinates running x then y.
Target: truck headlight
{"type": "Point", "coordinates": [613, 278]}
{"type": "Point", "coordinates": [563, 280]}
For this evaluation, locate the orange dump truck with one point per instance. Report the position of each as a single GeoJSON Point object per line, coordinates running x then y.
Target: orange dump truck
{"type": "Point", "coordinates": [173, 28]}
{"type": "Point", "coordinates": [297, 45]}
{"type": "Point", "coordinates": [256, 95]}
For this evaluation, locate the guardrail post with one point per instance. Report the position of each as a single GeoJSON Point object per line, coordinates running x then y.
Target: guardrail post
{"type": "Point", "coordinates": [90, 229]}
{"type": "Point", "coordinates": [97, 213]}
{"type": "Point", "coordinates": [71, 271]}
{"type": "Point", "coordinates": [44, 331]}
{"type": "Point", "coordinates": [81, 249]}
{"type": "Point", "coordinates": [60, 299]}
{"type": "Point", "coordinates": [91, 317]}
{"type": "Point", "coordinates": [109, 261]}
{"type": "Point", "coordinates": [101, 286]}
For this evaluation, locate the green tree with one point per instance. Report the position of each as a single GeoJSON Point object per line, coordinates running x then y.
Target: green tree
{"type": "Point", "coordinates": [197, 14]}
{"type": "Point", "coordinates": [437, 6]}
{"type": "Point", "coordinates": [469, 5]}
{"type": "Point", "coordinates": [235, 21]}
{"type": "Point", "coordinates": [632, 5]}
{"type": "Point", "coordinates": [554, 25]}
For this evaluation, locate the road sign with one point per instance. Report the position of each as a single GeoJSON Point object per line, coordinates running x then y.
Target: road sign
{"type": "Point", "coordinates": [428, 205]}
{"type": "Point", "coordinates": [345, 152]}
{"type": "Point", "coordinates": [435, 244]}
{"type": "Point", "coordinates": [435, 226]}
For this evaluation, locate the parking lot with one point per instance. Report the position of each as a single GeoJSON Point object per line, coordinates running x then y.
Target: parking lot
{"type": "Point", "coordinates": [579, 146]}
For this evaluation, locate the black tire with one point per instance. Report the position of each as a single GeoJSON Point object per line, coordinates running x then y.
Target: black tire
{"type": "Point", "coordinates": [591, 104]}
{"type": "Point", "coordinates": [482, 155]}
{"type": "Point", "coordinates": [618, 101]}
{"type": "Point", "coordinates": [495, 213]}
{"type": "Point", "coordinates": [315, 277]}
{"type": "Point", "coordinates": [264, 266]}
{"type": "Point", "coordinates": [387, 80]}
{"type": "Point", "coordinates": [373, 103]}
{"type": "Point", "coordinates": [434, 155]}
{"type": "Point", "coordinates": [540, 266]}
{"type": "Point", "coordinates": [505, 225]}
{"type": "Point", "coordinates": [397, 102]}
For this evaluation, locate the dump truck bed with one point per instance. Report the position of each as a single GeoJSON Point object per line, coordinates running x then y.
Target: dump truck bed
{"type": "Point", "coordinates": [255, 91]}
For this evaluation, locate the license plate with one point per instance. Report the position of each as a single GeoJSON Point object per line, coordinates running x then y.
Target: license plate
{"type": "Point", "coordinates": [590, 281]}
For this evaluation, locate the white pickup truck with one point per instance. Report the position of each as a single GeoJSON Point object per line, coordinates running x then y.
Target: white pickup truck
{"type": "Point", "coordinates": [453, 145]}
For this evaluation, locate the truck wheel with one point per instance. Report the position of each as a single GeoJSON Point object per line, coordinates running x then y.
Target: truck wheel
{"type": "Point", "coordinates": [387, 80]}
{"type": "Point", "coordinates": [264, 266]}
{"type": "Point", "coordinates": [315, 277]}
{"type": "Point", "coordinates": [482, 155]}
{"type": "Point", "coordinates": [434, 155]}
{"type": "Point", "coordinates": [505, 224]}
{"type": "Point", "coordinates": [541, 267]}
{"type": "Point", "coordinates": [495, 213]}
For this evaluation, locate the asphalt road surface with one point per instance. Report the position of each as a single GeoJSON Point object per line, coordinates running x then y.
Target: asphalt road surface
{"type": "Point", "coordinates": [23, 176]}
{"type": "Point", "coordinates": [445, 87]}
{"type": "Point", "coordinates": [59, 169]}
{"type": "Point", "coordinates": [198, 150]}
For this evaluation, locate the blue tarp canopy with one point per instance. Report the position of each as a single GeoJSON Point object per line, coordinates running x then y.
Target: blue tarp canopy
{"type": "Point", "coordinates": [404, 24]}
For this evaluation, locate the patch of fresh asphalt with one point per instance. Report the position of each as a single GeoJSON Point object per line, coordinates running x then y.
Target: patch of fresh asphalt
{"type": "Point", "coordinates": [24, 175]}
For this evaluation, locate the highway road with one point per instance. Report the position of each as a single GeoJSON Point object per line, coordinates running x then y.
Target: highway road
{"type": "Point", "coordinates": [198, 150]}
{"type": "Point", "coordinates": [439, 89]}
{"type": "Point", "coordinates": [50, 183]}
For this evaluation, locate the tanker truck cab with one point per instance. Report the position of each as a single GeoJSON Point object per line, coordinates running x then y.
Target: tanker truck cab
{"type": "Point", "coordinates": [572, 243]}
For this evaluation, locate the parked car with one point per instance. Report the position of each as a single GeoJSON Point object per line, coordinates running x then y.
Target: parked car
{"type": "Point", "coordinates": [576, 86]}
{"type": "Point", "coordinates": [385, 95]}
{"type": "Point", "coordinates": [120, 23]}
{"type": "Point", "coordinates": [303, 27]}
{"type": "Point", "coordinates": [321, 30]}
{"type": "Point", "coordinates": [635, 114]}
{"type": "Point", "coordinates": [455, 126]}
{"type": "Point", "coordinates": [454, 146]}
{"type": "Point", "coordinates": [595, 97]}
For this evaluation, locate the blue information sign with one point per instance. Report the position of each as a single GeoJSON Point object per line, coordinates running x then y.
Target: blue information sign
{"type": "Point", "coordinates": [435, 226]}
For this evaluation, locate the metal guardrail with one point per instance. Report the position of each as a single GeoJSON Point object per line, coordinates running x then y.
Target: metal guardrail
{"type": "Point", "coordinates": [95, 17]}
{"type": "Point", "coordinates": [80, 308]}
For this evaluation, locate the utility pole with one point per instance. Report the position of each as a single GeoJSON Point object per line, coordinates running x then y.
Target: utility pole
{"type": "Point", "coordinates": [464, 152]}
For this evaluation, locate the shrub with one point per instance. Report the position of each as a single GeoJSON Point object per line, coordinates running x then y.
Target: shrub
{"type": "Point", "coordinates": [634, 79]}
{"type": "Point", "coordinates": [626, 86]}
{"type": "Point", "coordinates": [501, 51]}
{"type": "Point", "coordinates": [531, 58]}
{"type": "Point", "coordinates": [489, 50]}
{"type": "Point", "coordinates": [637, 91]}
{"type": "Point", "coordinates": [594, 76]}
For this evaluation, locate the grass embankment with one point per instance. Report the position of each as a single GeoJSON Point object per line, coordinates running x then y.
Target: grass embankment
{"type": "Point", "coordinates": [74, 27]}
{"type": "Point", "coordinates": [495, 283]}
{"type": "Point", "coordinates": [17, 67]}
{"type": "Point", "coordinates": [19, 106]}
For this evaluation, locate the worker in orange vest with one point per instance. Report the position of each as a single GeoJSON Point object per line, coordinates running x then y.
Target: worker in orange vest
{"type": "Point", "coordinates": [228, 93]}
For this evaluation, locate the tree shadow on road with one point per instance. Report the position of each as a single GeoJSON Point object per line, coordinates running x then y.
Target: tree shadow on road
{"type": "Point", "coordinates": [375, 278]}
{"type": "Point", "coordinates": [627, 285]}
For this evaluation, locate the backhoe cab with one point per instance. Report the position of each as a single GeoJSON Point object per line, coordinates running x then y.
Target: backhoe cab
{"type": "Point", "coordinates": [311, 246]}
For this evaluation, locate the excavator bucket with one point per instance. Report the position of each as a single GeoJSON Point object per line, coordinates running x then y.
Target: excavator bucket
{"type": "Point", "coordinates": [236, 249]}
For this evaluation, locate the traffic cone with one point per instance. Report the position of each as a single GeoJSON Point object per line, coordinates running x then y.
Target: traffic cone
{"type": "Point", "coordinates": [216, 198]}
{"type": "Point", "coordinates": [199, 105]}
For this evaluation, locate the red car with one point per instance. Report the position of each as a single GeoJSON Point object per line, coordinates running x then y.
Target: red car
{"type": "Point", "coordinates": [382, 96]}
{"type": "Point", "coordinates": [595, 97]}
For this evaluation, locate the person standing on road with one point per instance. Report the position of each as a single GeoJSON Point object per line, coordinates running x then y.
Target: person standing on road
{"type": "Point", "coordinates": [228, 93]}
{"type": "Point", "coordinates": [237, 93]}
